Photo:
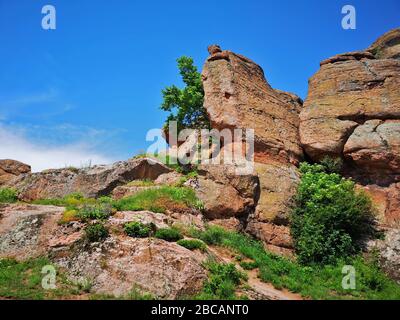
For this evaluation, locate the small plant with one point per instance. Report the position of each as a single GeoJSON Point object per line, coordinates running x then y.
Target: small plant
{"type": "Point", "coordinates": [96, 232]}
{"type": "Point", "coordinates": [169, 234]}
{"type": "Point", "coordinates": [137, 229]}
{"type": "Point", "coordinates": [96, 211]}
{"type": "Point", "coordinates": [332, 165]}
{"type": "Point", "coordinates": [69, 216]}
{"type": "Point", "coordinates": [223, 281]}
{"type": "Point", "coordinates": [8, 195]}
{"type": "Point", "coordinates": [192, 244]}
{"type": "Point", "coordinates": [249, 265]}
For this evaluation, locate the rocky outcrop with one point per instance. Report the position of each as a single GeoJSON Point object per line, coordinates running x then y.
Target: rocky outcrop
{"type": "Point", "coordinates": [9, 169]}
{"type": "Point", "coordinates": [225, 194]}
{"type": "Point", "coordinates": [115, 266]}
{"type": "Point", "coordinates": [352, 112]}
{"type": "Point", "coordinates": [238, 96]}
{"type": "Point", "coordinates": [92, 182]}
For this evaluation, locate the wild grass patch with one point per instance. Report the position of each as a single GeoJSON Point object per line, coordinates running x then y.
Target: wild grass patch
{"type": "Point", "coordinates": [314, 281]}
{"type": "Point", "coordinates": [8, 195]}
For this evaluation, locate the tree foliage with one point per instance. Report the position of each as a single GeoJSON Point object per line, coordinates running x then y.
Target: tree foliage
{"type": "Point", "coordinates": [186, 105]}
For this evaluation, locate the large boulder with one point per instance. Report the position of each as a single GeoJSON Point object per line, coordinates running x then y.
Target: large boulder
{"type": "Point", "coordinates": [91, 182]}
{"type": "Point", "coordinates": [237, 95]}
{"type": "Point", "coordinates": [10, 169]}
{"type": "Point", "coordinates": [352, 112]}
{"type": "Point", "coordinates": [114, 266]}
{"type": "Point", "coordinates": [224, 193]}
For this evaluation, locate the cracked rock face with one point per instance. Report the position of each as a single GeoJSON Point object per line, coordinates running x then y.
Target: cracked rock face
{"type": "Point", "coordinates": [353, 111]}
{"type": "Point", "coordinates": [237, 95]}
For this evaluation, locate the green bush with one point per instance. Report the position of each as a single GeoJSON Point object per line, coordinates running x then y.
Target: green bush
{"type": "Point", "coordinates": [96, 232]}
{"type": "Point", "coordinates": [192, 244]}
{"type": "Point", "coordinates": [99, 211]}
{"type": "Point", "coordinates": [169, 234]}
{"type": "Point", "coordinates": [330, 217]}
{"type": "Point", "coordinates": [222, 282]}
{"type": "Point", "coordinates": [8, 195]}
{"type": "Point", "coordinates": [137, 229]}
{"type": "Point", "coordinates": [315, 281]}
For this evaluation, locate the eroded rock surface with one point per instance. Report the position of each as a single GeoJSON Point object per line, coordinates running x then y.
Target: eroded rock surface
{"type": "Point", "coordinates": [352, 111]}
{"type": "Point", "coordinates": [10, 169]}
{"type": "Point", "coordinates": [93, 182]}
{"type": "Point", "coordinates": [115, 266]}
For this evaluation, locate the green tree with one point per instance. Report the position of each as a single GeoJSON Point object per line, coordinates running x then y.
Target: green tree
{"type": "Point", "coordinates": [186, 105]}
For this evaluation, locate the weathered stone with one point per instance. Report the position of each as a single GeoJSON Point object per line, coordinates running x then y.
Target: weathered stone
{"type": "Point", "coordinates": [388, 252]}
{"type": "Point", "coordinates": [10, 169]}
{"type": "Point", "coordinates": [170, 179]}
{"type": "Point", "coordinates": [225, 194]}
{"type": "Point", "coordinates": [92, 182]}
{"type": "Point", "coordinates": [387, 46]}
{"type": "Point", "coordinates": [238, 96]}
{"type": "Point", "coordinates": [278, 185]}
{"type": "Point", "coordinates": [114, 266]}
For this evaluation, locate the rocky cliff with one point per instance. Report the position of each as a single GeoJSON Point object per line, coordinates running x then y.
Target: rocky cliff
{"type": "Point", "coordinates": [352, 112]}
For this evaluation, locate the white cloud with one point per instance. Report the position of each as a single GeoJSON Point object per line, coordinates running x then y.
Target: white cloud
{"type": "Point", "coordinates": [16, 145]}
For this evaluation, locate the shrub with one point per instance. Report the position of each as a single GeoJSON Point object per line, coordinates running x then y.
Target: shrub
{"type": "Point", "coordinates": [96, 232]}
{"type": "Point", "coordinates": [330, 217]}
{"type": "Point", "coordinates": [222, 282]}
{"type": "Point", "coordinates": [332, 165]}
{"type": "Point", "coordinates": [249, 265]}
{"type": "Point", "coordinates": [139, 230]}
{"type": "Point", "coordinates": [8, 195]}
{"type": "Point", "coordinates": [68, 216]}
{"type": "Point", "coordinates": [169, 234]}
{"type": "Point", "coordinates": [192, 244]}
{"type": "Point", "coordinates": [95, 211]}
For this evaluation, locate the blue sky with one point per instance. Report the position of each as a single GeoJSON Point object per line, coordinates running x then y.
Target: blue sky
{"type": "Point", "coordinates": [91, 88]}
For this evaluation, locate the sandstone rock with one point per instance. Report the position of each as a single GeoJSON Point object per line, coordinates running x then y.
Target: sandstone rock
{"type": "Point", "coordinates": [10, 169]}
{"type": "Point", "coordinates": [225, 194]}
{"type": "Point", "coordinates": [171, 178]}
{"type": "Point", "coordinates": [92, 182]}
{"type": "Point", "coordinates": [387, 46]}
{"type": "Point", "coordinates": [389, 252]}
{"type": "Point", "coordinates": [346, 92]}
{"type": "Point", "coordinates": [375, 145]}
{"type": "Point", "coordinates": [115, 266]}
{"type": "Point", "coordinates": [276, 238]}
{"type": "Point", "coordinates": [231, 224]}
{"type": "Point", "coordinates": [238, 96]}
{"type": "Point", "coordinates": [278, 185]}
{"type": "Point", "coordinates": [352, 111]}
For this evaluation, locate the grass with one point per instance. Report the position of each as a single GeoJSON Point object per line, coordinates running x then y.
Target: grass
{"type": "Point", "coordinates": [137, 229]}
{"type": "Point", "coordinates": [192, 244]}
{"type": "Point", "coordinates": [168, 234]}
{"type": "Point", "coordinates": [223, 281]}
{"type": "Point", "coordinates": [8, 195]}
{"type": "Point", "coordinates": [23, 280]}
{"type": "Point", "coordinates": [316, 281]}
{"type": "Point", "coordinates": [159, 200]}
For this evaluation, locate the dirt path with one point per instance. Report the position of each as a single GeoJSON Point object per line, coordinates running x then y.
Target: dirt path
{"type": "Point", "coordinates": [257, 290]}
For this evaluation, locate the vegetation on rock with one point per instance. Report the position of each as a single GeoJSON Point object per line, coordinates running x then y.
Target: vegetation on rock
{"type": "Point", "coordinates": [192, 244]}
{"type": "Point", "coordinates": [169, 234]}
{"type": "Point", "coordinates": [96, 232]}
{"type": "Point", "coordinates": [137, 229]}
{"type": "Point", "coordinates": [330, 217]}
